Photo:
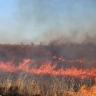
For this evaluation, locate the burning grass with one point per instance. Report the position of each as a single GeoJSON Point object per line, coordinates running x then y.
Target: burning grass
{"type": "Point", "coordinates": [58, 70]}
{"type": "Point", "coordinates": [45, 86]}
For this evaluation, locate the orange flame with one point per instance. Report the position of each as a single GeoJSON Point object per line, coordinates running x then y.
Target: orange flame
{"type": "Point", "coordinates": [46, 68]}
{"type": "Point", "coordinates": [84, 91]}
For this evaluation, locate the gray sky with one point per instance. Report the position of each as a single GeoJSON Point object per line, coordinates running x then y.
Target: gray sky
{"type": "Point", "coordinates": [45, 20]}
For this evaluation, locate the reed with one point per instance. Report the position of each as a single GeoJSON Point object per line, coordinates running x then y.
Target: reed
{"type": "Point", "coordinates": [41, 86]}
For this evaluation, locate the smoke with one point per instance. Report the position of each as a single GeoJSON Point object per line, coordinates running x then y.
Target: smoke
{"type": "Point", "coordinates": [44, 21]}
{"type": "Point", "coordinates": [66, 55]}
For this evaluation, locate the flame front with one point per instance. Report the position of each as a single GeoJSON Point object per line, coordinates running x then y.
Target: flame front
{"type": "Point", "coordinates": [46, 68]}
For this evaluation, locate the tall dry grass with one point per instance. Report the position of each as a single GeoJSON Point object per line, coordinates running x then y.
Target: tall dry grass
{"type": "Point", "coordinates": [43, 86]}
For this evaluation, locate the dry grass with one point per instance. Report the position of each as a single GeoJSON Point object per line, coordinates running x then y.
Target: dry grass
{"type": "Point", "coordinates": [36, 86]}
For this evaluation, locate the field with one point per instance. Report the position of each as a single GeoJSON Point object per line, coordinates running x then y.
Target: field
{"type": "Point", "coordinates": [26, 85]}
{"type": "Point", "coordinates": [48, 70]}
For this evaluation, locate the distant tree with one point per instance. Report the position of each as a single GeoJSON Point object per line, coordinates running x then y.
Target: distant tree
{"type": "Point", "coordinates": [21, 43]}
{"type": "Point", "coordinates": [32, 43]}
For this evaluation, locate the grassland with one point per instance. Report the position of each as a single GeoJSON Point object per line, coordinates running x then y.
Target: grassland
{"type": "Point", "coordinates": [43, 86]}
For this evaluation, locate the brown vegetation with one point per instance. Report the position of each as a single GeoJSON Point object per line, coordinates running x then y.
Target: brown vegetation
{"type": "Point", "coordinates": [43, 86]}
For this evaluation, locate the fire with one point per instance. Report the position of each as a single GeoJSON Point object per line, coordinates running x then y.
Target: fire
{"type": "Point", "coordinates": [84, 91]}
{"type": "Point", "coordinates": [81, 60]}
{"type": "Point", "coordinates": [88, 91]}
{"type": "Point", "coordinates": [47, 68]}
{"type": "Point", "coordinates": [77, 71]}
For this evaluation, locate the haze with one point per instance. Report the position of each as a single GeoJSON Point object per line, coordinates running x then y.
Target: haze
{"type": "Point", "coordinates": [46, 20]}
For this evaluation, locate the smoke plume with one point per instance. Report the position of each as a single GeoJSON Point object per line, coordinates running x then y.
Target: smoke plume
{"type": "Point", "coordinates": [44, 21]}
